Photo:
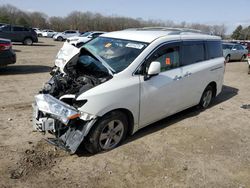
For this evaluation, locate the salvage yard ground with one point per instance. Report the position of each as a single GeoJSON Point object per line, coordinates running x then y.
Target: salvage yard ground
{"type": "Point", "coordinates": [190, 149]}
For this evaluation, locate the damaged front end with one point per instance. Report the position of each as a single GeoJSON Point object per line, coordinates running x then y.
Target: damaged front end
{"type": "Point", "coordinates": [64, 121]}
{"type": "Point", "coordinates": [56, 107]}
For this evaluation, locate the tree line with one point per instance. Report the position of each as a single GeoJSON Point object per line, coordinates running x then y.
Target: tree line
{"type": "Point", "coordinates": [241, 33]}
{"type": "Point", "coordinates": [87, 21]}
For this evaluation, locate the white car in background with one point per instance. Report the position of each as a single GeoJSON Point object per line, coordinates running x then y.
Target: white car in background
{"type": "Point", "coordinates": [78, 41]}
{"type": "Point", "coordinates": [122, 81]}
{"type": "Point", "coordinates": [48, 33]}
{"type": "Point", "coordinates": [66, 34]}
{"type": "Point", "coordinates": [38, 32]}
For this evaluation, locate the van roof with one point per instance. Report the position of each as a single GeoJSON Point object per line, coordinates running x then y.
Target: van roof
{"type": "Point", "coordinates": [149, 34]}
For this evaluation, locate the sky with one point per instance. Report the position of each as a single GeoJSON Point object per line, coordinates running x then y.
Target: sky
{"type": "Point", "coordinates": [228, 12]}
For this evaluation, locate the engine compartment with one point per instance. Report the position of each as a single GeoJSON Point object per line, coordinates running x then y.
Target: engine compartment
{"type": "Point", "coordinates": [82, 73]}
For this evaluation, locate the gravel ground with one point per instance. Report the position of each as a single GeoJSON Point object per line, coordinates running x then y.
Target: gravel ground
{"type": "Point", "coordinates": [190, 149]}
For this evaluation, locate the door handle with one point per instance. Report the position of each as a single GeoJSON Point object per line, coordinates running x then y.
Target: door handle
{"type": "Point", "coordinates": [187, 74]}
{"type": "Point", "coordinates": [177, 77]}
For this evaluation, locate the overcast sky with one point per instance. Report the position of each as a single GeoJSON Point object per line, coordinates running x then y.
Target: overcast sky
{"type": "Point", "coordinates": [231, 13]}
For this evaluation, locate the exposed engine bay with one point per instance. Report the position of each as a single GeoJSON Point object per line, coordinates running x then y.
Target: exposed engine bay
{"type": "Point", "coordinates": [59, 115]}
{"type": "Point", "coordinates": [80, 76]}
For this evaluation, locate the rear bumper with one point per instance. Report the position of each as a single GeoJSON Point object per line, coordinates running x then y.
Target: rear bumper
{"type": "Point", "coordinates": [6, 58]}
{"type": "Point", "coordinates": [35, 39]}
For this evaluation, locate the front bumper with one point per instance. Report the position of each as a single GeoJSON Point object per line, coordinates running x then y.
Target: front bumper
{"type": "Point", "coordinates": [67, 137]}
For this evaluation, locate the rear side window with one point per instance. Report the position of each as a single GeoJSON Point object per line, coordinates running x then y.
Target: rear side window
{"type": "Point", "coordinates": [18, 29]}
{"type": "Point", "coordinates": [192, 52]}
{"type": "Point", "coordinates": [214, 49]}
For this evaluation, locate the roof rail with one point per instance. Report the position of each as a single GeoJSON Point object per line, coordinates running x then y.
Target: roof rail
{"type": "Point", "coordinates": [173, 31]}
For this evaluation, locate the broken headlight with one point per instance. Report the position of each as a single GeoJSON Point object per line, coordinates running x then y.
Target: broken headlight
{"type": "Point", "coordinates": [59, 109]}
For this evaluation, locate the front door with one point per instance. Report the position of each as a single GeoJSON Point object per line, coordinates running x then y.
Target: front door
{"type": "Point", "coordinates": [160, 95]}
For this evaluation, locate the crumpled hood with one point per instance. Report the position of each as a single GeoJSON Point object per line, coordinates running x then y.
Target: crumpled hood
{"type": "Point", "coordinates": [65, 54]}
{"type": "Point", "coordinates": [68, 51]}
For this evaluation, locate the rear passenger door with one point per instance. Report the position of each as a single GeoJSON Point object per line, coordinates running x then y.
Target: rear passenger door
{"type": "Point", "coordinates": [18, 33]}
{"type": "Point", "coordinates": [194, 72]}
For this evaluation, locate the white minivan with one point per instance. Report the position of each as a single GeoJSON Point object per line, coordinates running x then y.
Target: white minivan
{"type": "Point", "coordinates": [123, 81]}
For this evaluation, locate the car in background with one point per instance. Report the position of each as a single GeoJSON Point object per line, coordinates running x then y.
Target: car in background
{"type": "Point", "coordinates": [7, 55]}
{"type": "Point", "coordinates": [38, 31]}
{"type": "Point", "coordinates": [66, 34]}
{"type": "Point", "coordinates": [232, 51]}
{"type": "Point", "coordinates": [48, 33]}
{"type": "Point", "coordinates": [18, 34]}
{"type": "Point", "coordinates": [78, 41]}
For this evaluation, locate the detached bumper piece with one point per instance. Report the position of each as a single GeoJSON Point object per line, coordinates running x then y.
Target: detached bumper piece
{"type": "Point", "coordinates": [68, 141]}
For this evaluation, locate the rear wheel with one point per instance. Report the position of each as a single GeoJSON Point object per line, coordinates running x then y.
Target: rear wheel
{"type": "Point", "coordinates": [227, 59]}
{"type": "Point", "coordinates": [206, 97]}
{"type": "Point", "coordinates": [108, 133]}
{"type": "Point", "coordinates": [28, 41]}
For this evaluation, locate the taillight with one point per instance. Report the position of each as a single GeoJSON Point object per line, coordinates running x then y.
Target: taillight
{"type": "Point", "coordinates": [248, 55]}
{"type": "Point", "coordinates": [5, 46]}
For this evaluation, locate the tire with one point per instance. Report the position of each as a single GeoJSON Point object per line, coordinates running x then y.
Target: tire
{"type": "Point", "coordinates": [243, 58]}
{"type": "Point", "coordinates": [206, 97]}
{"type": "Point", "coordinates": [227, 59]}
{"type": "Point", "coordinates": [39, 35]}
{"type": "Point", "coordinates": [59, 38]}
{"type": "Point", "coordinates": [107, 133]}
{"type": "Point", "coordinates": [28, 41]}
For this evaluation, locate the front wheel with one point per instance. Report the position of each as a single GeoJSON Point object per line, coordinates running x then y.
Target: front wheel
{"type": "Point", "coordinates": [206, 97]}
{"type": "Point", "coordinates": [60, 39]}
{"type": "Point", "coordinates": [243, 58]}
{"type": "Point", "coordinates": [108, 133]}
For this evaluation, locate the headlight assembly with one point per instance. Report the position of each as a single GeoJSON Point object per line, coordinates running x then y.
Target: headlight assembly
{"type": "Point", "coordinates": [59, 109]}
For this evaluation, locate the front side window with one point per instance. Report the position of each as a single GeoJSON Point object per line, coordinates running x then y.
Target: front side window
{"type": "Point", "coordinates": [168, 56]}
{"type": "Point", "coordinates": [239, 47]}
{"type": "Point", "coordinates": [117, 53]}
{"type": "Point", "coordinates": [192, 52]}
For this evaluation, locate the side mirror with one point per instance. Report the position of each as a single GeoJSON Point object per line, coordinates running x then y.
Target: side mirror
{"type": "Point", "coordinates": [90, 36]}
{"type": "Point", "coordinates": [154, 68]}
{"type": "Point", "coordinates": [234, 49]}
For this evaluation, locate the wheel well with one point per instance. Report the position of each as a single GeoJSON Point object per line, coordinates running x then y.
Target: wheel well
{"type": "Point", "coordinates": [28, 38]}
{"type": "Point", "coordinates": [214, 86]}
{"type": "Point", "coordinates": [130, 118]}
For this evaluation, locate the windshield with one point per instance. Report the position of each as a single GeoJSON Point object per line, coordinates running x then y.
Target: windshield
{"type": "Point", "coordinates": [85, 34]}
{"type": "Point", "coordinates": [117, 53]}
{"type": "Point", "coordinates": [227, 46]}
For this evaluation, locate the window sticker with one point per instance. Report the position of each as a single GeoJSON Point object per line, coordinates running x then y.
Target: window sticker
{"type": "Point", "coordinates": [134, 45]}
{"type": "Point", "coordinates": [168, 61]}
{"type": "Point", "coordinates": [108, 45]}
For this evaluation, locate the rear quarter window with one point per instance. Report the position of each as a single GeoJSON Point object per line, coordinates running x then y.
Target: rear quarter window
{"type": "Point", "coordinates": [214, 49]}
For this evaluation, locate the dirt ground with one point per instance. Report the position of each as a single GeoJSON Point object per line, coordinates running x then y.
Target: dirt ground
{"type": "Point", "coordinates": [190, 149]}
